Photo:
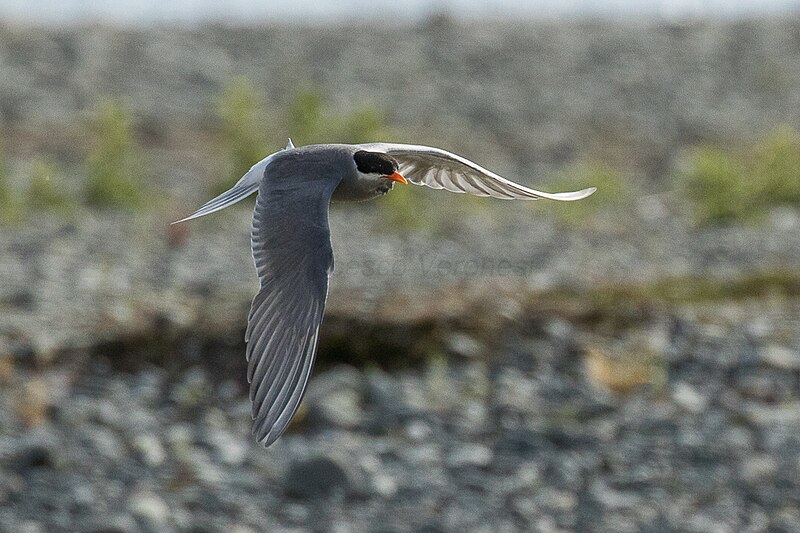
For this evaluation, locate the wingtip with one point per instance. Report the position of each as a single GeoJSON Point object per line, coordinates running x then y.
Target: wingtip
{"type": "Point", "coordinates": [264, 438]}
{"type": "Point", "coordinates": [576, 195]}
{"type": "Point", "coordinates": [190, 217]}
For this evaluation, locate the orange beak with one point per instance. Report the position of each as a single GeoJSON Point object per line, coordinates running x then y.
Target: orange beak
{"type": "Point", "coordinates": [396, 176]}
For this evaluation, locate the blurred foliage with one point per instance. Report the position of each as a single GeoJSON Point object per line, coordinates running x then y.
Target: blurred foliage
{"type": "Point", "coordinates": [114, 162]}
{"type": "Point", "coordinates": [725, 186]}
{"type": "Point", "coordinates": [45, 191]}
{"type": "Point", "coordinates": [432, 212]}
{"type": "Point", "coordinates": [310, 121]}
{"type": "Point", "coordinates": [716, 186]}
{"type": "Point", "coordinates": [240, 136]}
{"type": "Point", "coordinates": [306, 120]}
{"type": "Point", "coordinates": [614, 191]}
{"type": "Point", "coordinates": [10, 205]}
{"type": "Point", "coordinates": [777, 162]}
{"type": "Point", "coordinates": [404, 209]}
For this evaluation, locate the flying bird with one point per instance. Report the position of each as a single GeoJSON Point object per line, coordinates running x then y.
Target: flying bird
{"type": "Point", "coordinates": [291, 247]}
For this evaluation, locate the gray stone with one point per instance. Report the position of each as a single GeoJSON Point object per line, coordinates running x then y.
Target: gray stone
{"type": "Point", "coordinates": [335, 399]}
{"type": "Point", "coordinates": [689, 398]}
{"type": "Point", "coordinates": [120, 523]}
{"type": "Point", "coordinates": [756, 469]}
{"type": "Point", "coordinates": [316, 477]}
{"type": "Point", "coordinates": [781, 356]}
{"type": "Point", "coordinates": [464, 345]}
{"type": "Point", "coordinates": [33, 456]}
{"type": "Point", "coordinates": [229, 448]}
{"type": "Point", "coordinates": [469, 455]}
{"type": "Point", "coordinates": [149, 507]}
{"type": "Point", "coordinates": [150, 449]}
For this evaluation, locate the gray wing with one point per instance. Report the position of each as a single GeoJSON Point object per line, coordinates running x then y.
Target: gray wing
{"type": "Point", "coordinates": [440, 169]}
{"type": "Point", "coordinates": [292, 252]}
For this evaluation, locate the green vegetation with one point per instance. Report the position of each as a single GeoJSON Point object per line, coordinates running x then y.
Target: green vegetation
{"type": "Point", "coordinates": [776, 160]}
{"type": "Point", "coordinates": [311, 122]}
{"type": "Point", "coordinates": [241, 139]}
{"type": "Point", "coordinates": [404, 209]}
{"type": "Point", "coordinates": [10, 208]}
{"type": "Point", "coordinates": [614, 191]}
{"type": "Point", "coordinates": [45, 191]}
{"type": "Point", "coordinates": [114, 166]}
{"type": "Point", "coordinates": [724, 186]}
{"type": "Point", "coordinates": [306, 120]}
{"type": "Point", "coordinates": [716, 187]}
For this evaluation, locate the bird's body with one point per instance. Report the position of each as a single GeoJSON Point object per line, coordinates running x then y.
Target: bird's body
{"type": "Point", "coordinates": [292, 248]}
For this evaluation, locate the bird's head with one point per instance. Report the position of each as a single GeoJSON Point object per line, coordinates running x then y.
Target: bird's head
{"type": "Point", "coordinates": [380, 166]}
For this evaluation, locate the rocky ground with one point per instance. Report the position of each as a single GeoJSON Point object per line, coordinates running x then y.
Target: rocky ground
{"type": "Point", "coordinates": [529, 437]}
{"type": "Point", "coordinates": [511, 371]}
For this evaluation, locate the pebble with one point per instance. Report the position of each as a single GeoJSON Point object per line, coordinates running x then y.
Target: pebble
{"type": "Point", "coordinates": [470, 455]}
{"type": "Point", "coordinates": [688, 398]}
{"type": "Point", "coordinates": [230, 449]}
{"type": "Point", "coordinates": [149, 507]}
{"type": "Point", "coordinates": [758, 469]}
{"type": "Point", "coordinates": [335, 399]}
{"type": "Point", "coordinates": [314, 478]}
{"type": "Point", "coordinates": [464, 345]}
{"type": "Point", "coordinates": [34, 456]}
{"type": "Point", "coordinates": [150, 449]}
{"type": "Point", "coordinates": [781, 357]}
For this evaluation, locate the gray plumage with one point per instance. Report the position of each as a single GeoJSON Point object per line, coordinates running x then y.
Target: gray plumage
{"type": "Point", "coordinates": [292, 248]}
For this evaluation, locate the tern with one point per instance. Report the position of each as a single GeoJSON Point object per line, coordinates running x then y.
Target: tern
{"type": "Point", "coordinates": [291, 245]}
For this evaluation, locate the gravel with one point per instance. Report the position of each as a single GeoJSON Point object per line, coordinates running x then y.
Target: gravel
{"type": "Point", "coordinates": [521, 440]}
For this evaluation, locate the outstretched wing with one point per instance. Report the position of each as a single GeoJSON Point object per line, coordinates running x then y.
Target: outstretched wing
{"type": "Point", "coordinates": [440, 169]}
{"type": "Point", "coordinates": [293, 256]}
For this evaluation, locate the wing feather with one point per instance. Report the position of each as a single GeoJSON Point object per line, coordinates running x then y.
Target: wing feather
{"type": "Point", "coordinates": [293, 257]}
{"type": "Point", "coordinates": [440, 169]}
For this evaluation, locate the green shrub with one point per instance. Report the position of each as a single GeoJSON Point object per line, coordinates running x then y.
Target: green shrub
{"type": "Point", "coordinates": [614, 191]}
{"type": "Point", "coordinates": [311, 122]}
{"type": "Point", "coordinates": [404, 209]}
{"type": "Point", "coordinates": [724, 186]}
{"type": "Point", "coordinates": [362, 125]}
{"type": "Point", "coordinates": [776, 161]}
{"type": "Point", "coordinates": [10, 206]}
{"type": "Point", "coordinates": [5, 188]}
{"type": "Point", "coordinates": [113, 164]}
{"type": "Point", "coordinates": [717, 187]}
{"type": "Point", "coordinates": [306, 120]}
{"type": "Point", "coordinates": [241, 135]}
{"type": "Point", "coordinates": [44, 189]}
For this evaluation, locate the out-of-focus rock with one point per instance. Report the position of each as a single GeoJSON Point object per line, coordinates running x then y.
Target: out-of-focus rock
{"type": "Point", "coordinates": [781, 356]}
{"type": "Point", "coordinates": [150, 508]}
{"type": "Point", "coordinates": [316, 477]}
{"type": "Point", "coordinates": [335, 398]}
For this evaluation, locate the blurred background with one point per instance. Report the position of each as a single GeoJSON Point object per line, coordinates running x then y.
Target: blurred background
{"type": "Point", "coordinates": [630, 362]}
